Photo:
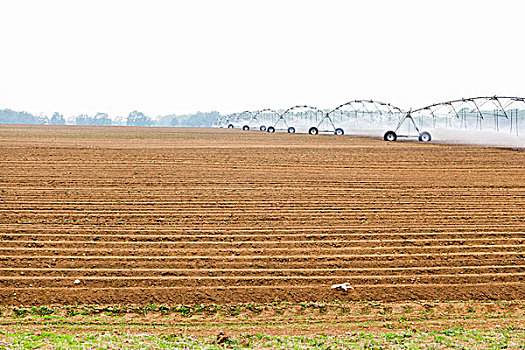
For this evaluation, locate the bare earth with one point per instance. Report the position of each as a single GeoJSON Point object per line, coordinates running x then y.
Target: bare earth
{"type": "Point", "coordinates": [206, 216]}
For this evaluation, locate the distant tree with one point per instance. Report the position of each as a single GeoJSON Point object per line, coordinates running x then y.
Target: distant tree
{"type": "Point", "coordinates": [164, 120]}
{"type": "Point", "coordinates": [197, 119]}
{"type": "Point", "coordinates": [119, 120]}
{"type": "Point", "coordinates": [137, 118]}
{"type": "Point", "coordinates": [42, 119]}
{"type": "Point", "coordinates": [8, 116]}
{"type": "Point", "coordinates": [82, 119]}
{"type": "Point", "coordinates": [57, 119]}
{"type": "Point", "coordinates": [97, 119]}
{"type": "Point", "coordinates": [174, 121]}
{"type": "Point", "coordinates": [101, 119]}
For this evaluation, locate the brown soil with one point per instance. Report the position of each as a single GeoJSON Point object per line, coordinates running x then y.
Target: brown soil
{"type": "Point", "coordinates": [166, 215]}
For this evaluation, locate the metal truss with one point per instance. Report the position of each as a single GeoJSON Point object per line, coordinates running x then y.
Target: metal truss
{"type": "Point", "coordinates": [229, 121]}
{"type": "Point", "coordinates": [359, 115]}
{"type": "Point", "coordinates": [492, 113]}
{"type": "Point", "coordinates": [242, 119]}
{"type": "Point", "coordinates": [297, 118]}
{"type": "Point", "coordinates": [368, 117]}
{"type": "Point", "coordinates": [261, 119]}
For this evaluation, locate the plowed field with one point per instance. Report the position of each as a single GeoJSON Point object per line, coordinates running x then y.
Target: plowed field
{"type": "Point", "coordinates": [144, 215]}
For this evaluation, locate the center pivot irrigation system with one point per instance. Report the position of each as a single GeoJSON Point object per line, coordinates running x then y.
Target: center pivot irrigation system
{"type": "Point", "coordinates": [373, 118]}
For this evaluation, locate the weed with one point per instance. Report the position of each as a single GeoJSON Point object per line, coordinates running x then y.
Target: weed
{"type": "Point", "coordinates": [42, 311]}
{"type": "Point", "coordinates": [20, 312]}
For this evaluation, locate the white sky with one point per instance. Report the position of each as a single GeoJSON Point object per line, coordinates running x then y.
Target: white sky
{"type": "Point", "coordinates": [165, 57]}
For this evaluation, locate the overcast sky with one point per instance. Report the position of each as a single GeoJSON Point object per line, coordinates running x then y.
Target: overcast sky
{"type": "Point", "coordinates": [163, 57]}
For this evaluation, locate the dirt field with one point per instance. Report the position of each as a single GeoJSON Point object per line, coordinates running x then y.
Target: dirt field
{"type": "Point", "coordinates": [150, 238]}
{"type": "Point", "coordinates": [164, 215]}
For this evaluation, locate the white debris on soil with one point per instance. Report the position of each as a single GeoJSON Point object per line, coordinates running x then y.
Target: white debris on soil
{"type": "Point", "coordinates": [77, 281]}
{"type": "Point", "coordinates": [346, 286]}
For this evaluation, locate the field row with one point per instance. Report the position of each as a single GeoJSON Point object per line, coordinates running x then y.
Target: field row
{"type": "Point", "coordinates": [29, 240]}
{"type": "Point", "coordinates": [249, 293]}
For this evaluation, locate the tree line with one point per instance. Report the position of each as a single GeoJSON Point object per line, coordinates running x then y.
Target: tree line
{"type": "Point", "coordinates": [135, 118]}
